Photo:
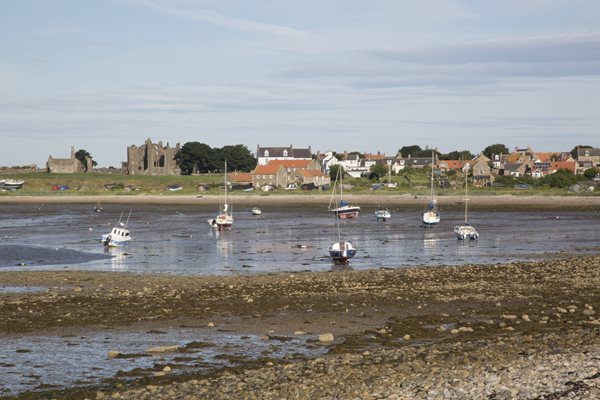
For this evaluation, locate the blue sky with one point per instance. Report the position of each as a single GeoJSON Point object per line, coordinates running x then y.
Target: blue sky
{"type": "Point", "coordinates": [337, 75]}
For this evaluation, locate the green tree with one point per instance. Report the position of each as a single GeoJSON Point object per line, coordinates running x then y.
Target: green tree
{"type": "Point", "coordinates": [457, 155]}
{"type": "Point", "coordinates": [495, 149]}
{"type": "Point", "coordinates": [416, 151]}
{"type": "Point", "coordinates": [378, 171]}
{"type": "Point", "coordinates": [195, 157]}
{"type": "Point", "coordinates": [591, 173]}
{"type": "Point", "coordinates": [561, 179]}
{"type": "Point", "coordinates": [238, 157]}
{"type": "Point", "coordinates": [333, 171]}
{"type": "Point", "coordinates": [82, 155]}
{"type": "Point", "coordinates": [580, 146]}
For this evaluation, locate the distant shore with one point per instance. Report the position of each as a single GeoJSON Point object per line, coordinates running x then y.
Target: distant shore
{"type": "Point", "coordinates": [500, 202]}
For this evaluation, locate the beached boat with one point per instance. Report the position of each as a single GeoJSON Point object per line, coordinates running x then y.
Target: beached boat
{"type": "Point", "coordinates": [466, 230]}
{"type": "Point", "coordinates": [344, 209]}
{"type": "Point", "coordinates": [119, 235]}
{"type": "Point", "coordinates": [382, 214]}
{"type": "Point", "coordinates": [224, 220]}
{"type": "Point", "coordinates": [98, 208]}
{"type": "Point", "coordinates": [431, 216]}
{"type": "Point", "coordinates": [11, 184]}
{"type": "Point", "coordinates": [341, 250]}
{"type": "Point", "coordinates": [256, 211]}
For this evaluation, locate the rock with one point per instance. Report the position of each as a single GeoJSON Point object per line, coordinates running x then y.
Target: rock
{"type": "Point", "coordinates": [163, 349]}
{"type": "Point", "coordinates": [326, 337]}
{"type": "Point", "coordinates": [525, 317]}
{"type": "Point", "coordinates": [299, 333]}
{"type": "Point", "coordinates": [210, 325]}
{"type": "Point", "coordinates": [509, 316]}
{"type": "Point", "coordinates": [454, 331]}
{"type": "Point", "coordinates": [100, 395]}
{"type": "Point", "coordinates": [167, 369]}
{"type": "Point", "coordinates": [406, 337]}
{"type": "Point", "coordinates": [465, 329]}
{"type": "Point", "coordinates": [113, 353]}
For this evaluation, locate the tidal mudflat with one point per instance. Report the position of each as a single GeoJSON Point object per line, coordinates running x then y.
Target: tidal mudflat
{"type": "Point", "coordinates": [519, 330]}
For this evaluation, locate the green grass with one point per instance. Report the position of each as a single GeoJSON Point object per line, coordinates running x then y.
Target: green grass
{"type": "Point", "coordinates": [41, 183]}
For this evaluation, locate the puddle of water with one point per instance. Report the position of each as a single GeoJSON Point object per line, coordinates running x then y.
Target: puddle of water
{"type": "Point", "coordinates": [21, 289]}
{"type": "Point", "coordinates": [32, 362]}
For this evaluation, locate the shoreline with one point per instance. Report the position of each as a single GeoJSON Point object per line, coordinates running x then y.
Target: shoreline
{"type": "Point", "coordinates": [368, 200]}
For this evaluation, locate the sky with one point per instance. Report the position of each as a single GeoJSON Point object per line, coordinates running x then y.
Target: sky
{"type": "Point", "coordinates": [337, 75]}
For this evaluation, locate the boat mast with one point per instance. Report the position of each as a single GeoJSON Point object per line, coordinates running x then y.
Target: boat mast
{"type": "Point", "coordinates": [126, 222]}
{"type": "Point", "coordinates": [432, 152]}
{"type": "Point", "coordinates": [226, 198]}
{"type": "Point", "coordinates": [466, 190]}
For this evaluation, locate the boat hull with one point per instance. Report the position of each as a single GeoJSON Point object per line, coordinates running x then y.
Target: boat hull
{"type": "Point", "coordinates": [382, 215]}
{"type": "Point", "coordinates": [464, 232]}
{"type": "Point", "coordinates": [346, 212]}
{"type": "Point", "coordinates": [110, 241]}
{"type": "Point", "coordinates": [342, 251]}
{"type": "Point", "coordinates": [221, 222]}
{"type": "Point", "coordinates": [431, 218]}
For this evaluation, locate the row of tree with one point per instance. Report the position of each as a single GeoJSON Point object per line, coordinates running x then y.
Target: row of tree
{"type": "Point", "coordinates": [196, 157]}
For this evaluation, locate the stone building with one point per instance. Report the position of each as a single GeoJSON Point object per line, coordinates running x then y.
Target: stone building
{"type": "Point", "coordinates": [152, 159]}
{"type": "Point", "coordinates": [69, 165]}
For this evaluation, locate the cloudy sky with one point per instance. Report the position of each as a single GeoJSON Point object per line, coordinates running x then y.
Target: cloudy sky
{"type": "Point", "coordinates": [339, 74]}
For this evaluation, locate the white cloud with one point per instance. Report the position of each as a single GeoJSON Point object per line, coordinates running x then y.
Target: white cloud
{"type": "Point", "coordinates": [190, 12]}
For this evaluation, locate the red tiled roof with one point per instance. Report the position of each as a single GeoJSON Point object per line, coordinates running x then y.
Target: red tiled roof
{"type": "Point", "coordinates": [452, 164]}
{"type": "Point", "coordinates": [266, 169]}
{"type": "Point", "coordinates": [290, 163]}
{"type": "Point", "coordinates": [570, 165]}
{"type": "Point", "coordinates": [241, 177]}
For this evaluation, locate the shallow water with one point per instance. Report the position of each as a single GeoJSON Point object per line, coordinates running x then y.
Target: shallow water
{"type": "Point", "coordinates": [41, 362]}
{"type": "Point", "coordinates": [177, 239]}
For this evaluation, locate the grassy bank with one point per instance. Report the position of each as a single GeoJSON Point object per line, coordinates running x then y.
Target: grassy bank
{"type": "Point", "coordinates": [38, 184]}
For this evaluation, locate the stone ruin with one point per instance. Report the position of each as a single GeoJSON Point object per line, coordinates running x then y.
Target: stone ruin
{"type": "Point", "coordinates": [152, 159]}
{"type": "Point", "coordinates": [69, 165]}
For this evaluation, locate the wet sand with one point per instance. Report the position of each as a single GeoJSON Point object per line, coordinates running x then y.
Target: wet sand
{"type": "Point", "coordinates": [499, 202]}
{"type": "Point", "coordinates": [522, 330]}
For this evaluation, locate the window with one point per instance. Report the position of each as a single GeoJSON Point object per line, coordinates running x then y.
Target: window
{"type": "Point", "coordinates": [285, 153]}
{"type": "Point", "coordinates": [266, 153]}
{"type": "Point", "coordinates": [587, 153]}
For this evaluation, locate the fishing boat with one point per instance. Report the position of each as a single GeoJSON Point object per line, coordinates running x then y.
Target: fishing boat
{"type": "Point", "coordinates": [431, 216]}
{"type": "Point", "coordinates": [256, 211]}
{"type": "Point", "coordinates": [224, 220]}
{"type": "Point", "coordinates": [466, 230]}
{"type": "Point", "coordinates": [98, 208]}
{"type": "Point", "coordinates": [119, 235]}
{"type": "Point", "coordinates": [344, 209]}
{"type": "Point", "coordinates": [382, 214]}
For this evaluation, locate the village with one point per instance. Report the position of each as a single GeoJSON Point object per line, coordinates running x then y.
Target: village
{"type": "Point", "coordinates": [291, 168]}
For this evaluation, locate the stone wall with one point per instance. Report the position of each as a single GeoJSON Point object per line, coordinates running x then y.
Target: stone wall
{"type": "Point", "coordinates": [152, 159]}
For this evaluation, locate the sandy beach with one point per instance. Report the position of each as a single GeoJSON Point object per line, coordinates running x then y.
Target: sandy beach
{"type": "Point", "coordinates": [516, 331]}
{"type": "Point", "coordinates": [500, 202]}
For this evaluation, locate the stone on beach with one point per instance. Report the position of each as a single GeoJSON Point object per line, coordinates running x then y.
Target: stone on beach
{"type": "Point", "coordinates": [326, 337]}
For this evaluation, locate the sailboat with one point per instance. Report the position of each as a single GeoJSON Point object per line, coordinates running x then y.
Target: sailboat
{"type": "Point", "coordinates": [224, 220]}
{"type": "Point", "coordinates": [431, 216]}
{"type": "Point", "coordinates": [340, 251]}
{"type": "Point", "coordinates": [98, 207]}
{"type": "Point", "coordinates": [119, 235]}
{"type": "Point", "coordinates": [343, 209]}
{"type": "Point", "coordinates": [466, 231]}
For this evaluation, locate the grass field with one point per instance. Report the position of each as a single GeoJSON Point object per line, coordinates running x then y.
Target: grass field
{"type": "Point", "coordinates": [41, 183]}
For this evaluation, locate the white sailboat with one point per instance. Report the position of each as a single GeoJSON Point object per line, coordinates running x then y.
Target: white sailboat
{"type": "Point", "coordinates": [431, 216]}
{"type": "Point", "coordinates": [466, 231]}
{"type": "Point", "coordinates": [342, 250]}
{"type": "Point", "coordinates": [344, 209]}
{"type": "Point", "coordinates": [224, 220]}
{"type": "Point", "coordinates": [119, 235]}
